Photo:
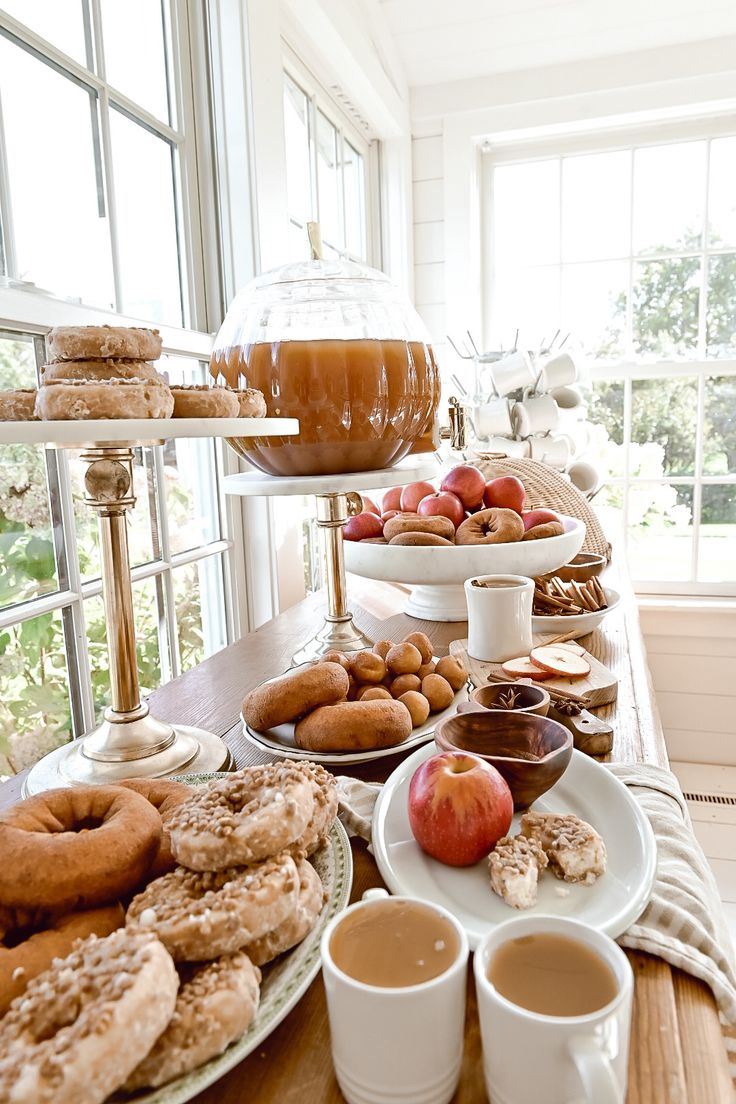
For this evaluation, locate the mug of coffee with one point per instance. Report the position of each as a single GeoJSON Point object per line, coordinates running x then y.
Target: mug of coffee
{"type": "Point", "coordinates": [554, 1000]}
{"type": "Point", "coordinates": [535, 415]}
{"type": "Point", "coordinates": [499, 616]}
{"type": "Point", "coordinates": [394, 970]}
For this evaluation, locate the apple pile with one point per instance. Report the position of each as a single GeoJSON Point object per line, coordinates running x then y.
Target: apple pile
{"type": "Point", "coordinates": [465, 510]}
{"type": "Point", "coordinates": [459, 807]}
{"type": "Point", "coordinates": [549, 661]}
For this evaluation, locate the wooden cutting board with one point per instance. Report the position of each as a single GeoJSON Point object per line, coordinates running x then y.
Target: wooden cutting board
{"type": "Point", "coordinates": [600, 686]}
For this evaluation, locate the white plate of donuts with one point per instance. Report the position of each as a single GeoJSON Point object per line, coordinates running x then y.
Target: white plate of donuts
{"type": "Point", "coordinates": [356, 707]}
{"type": "Point", "coordinates": [139, 1004]}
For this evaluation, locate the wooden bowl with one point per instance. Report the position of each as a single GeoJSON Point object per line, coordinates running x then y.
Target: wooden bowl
{"type": "Point", "coordinates": [505, 740]}
{"type": "Point", "coordinates": [581, 568]}
{"type": "Point", "coordinates": [529, 699]}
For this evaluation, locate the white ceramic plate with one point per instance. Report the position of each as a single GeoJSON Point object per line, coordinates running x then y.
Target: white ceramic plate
{"type": "Point", "coordinates": [284, 982]}
{"type": "Point", "coordinates": [586, 789]}
{"type": "Point", "coordinates": [581, 623]}
{"type": "Point", "coordinates": [280, 741]}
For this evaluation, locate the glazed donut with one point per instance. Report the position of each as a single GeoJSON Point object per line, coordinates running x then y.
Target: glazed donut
{"type": "Point", "coordinates": [18, 406]}
{"type": "Point", "coordinates": [202, 916]}
{"type": "Point", "coordinates": [252, 403]}
{"type": "Point", "coordinates": [367, 667]}
{"type": "Point", "coordinates": [243, 818]}
{"type": "Point", "coordinates": [354, 726]}
{"type": "Point", "coordinates": [297, 926]}
{"type": "Point", "coordinates": [422, 643]}
{"type": "Point", "coordinates": [199, 400]}
{"type": "Point", "coordinates": [324, 791]}
{"type": "Point", "coordinates": [215, 1004]}
{"type": "Point", "coordinates": [546, 529]}
{"type": "Point", "coordinates": [413, 523]}
{"type": "Point", "coordinates": [292, 695]}
{"type": "Point", "coordinates": [99, 370]}
{"type": "Point", "coordinates": [77, 400]}
{"type": "Point", "coordinates": [19, 964]}
{"type": "Point", "coordinates": [165, 796]}
{"type": "Point", "coordinates": [76, 848]}
{"type": "Point", "coordinates": [82, 1026]}
{"type": "Point", "coordinates": [494, 526]}
{"type": "Point", "coordinates": [95, 342]}
{"type": "Point", "coordinates": [420, 540]}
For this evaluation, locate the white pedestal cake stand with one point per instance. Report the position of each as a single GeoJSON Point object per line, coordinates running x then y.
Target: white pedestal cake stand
{"type": "Point", "coordinates": [130, 743]}
{"type": "Point", "coordinates": [334, 506]}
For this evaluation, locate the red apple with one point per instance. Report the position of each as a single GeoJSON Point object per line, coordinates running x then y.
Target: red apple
{"type": "Point", "coordinates": [388, 514]}
{"type": "Point", "coordinates": [506, 492]}
{"type": "Point", "coordinates": [391, 500]}
{"type": "Point", "coordinates": [467, 483]}
{"type": "Point", "coordinates": [443, 503]}
{"type": "Point", "coordinates": [537, 517]}
{"type": "Point", "coordinates": [369, 506]}
{"type": "Point", "coordinates": [361, 526]}
{"type": "Point", "coordinates": [413, 494]}
{"type": "Point", "coordinates": [459, 807]}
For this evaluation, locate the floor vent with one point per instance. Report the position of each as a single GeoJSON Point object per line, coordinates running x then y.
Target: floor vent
{"type": "Point", "coordinates": [711, 799]}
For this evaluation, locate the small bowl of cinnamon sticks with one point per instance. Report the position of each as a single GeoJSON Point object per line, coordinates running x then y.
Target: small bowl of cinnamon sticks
{"type": "Point", "coordinates": [570, 607]}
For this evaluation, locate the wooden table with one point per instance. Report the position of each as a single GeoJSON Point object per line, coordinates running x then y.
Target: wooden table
{"type": "Point", "coordinates": [677, 1053]}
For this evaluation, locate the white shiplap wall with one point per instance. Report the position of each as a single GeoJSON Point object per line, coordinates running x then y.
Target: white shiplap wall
{"type": "Point", "coordinates": [429, 230]}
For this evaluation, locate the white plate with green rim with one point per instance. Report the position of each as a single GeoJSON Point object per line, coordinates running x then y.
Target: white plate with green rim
{"type": "Point", "coordinates": [284, 981]}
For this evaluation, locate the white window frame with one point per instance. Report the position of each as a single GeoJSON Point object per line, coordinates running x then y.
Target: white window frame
{"type": "Point", "coordinates": [629, 368]}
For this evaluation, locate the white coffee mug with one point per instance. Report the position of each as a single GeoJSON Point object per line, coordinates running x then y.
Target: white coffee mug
{"type": "Point", "coordinates": [536, 415]}
{"type": "Point", "coordinates": [528, 1056]}
{"type": "Point", "coordinates": [586, 478]}
{"type": "Point", "coordinates": [554, 451]}
{"type": "Point", "coordinates": [391, 1046]}
{"type": "Point", "coordinates": [508, 446]}
{"type": "Point", "coordinates": [512, 371]}
{"type": "Point", "coordinates": [567, 398]}
{"type": "Point", "coordinates": [492, 418]}
{"type": "Point", "coordinates": [499, 617]}
{"type": "Point", "coordinates": [558, 371]}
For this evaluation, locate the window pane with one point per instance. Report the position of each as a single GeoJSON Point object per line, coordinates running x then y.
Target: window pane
{"type": "Point", "coordinates": [354, 201]}
{"type": "Point", "coordinates": [328, 184]}
{"type": "Point", "coordinates": [298, 243]}
{"type": "Point", "coordinates": [660, 532]}
{"type": "Point", "coordinates": [147, 611]}
{"type": "Point", "coordinates": [191, 493]}
{"type": "Point", "coordinates": [666, 300]}
{"type": "Point", "coordinates": [530, 300]}
{"type": "Point", "coordinates": [135, 58]}
{"type": "Point", "coordinates": [59, 217]}
{"type": "Point", "coordinates": [60, 22]}
{"type": "Point", "coordinates": [596, 192]}
{"type": "Point", "coordinates": [200, 610]}
{"type": "Point", "coordinates": [719, 431]}
{"type": "Point", "coordinates": [717, 559]}
{"type": "Point", "coordinates": [146, 215]}
{"type": "Point", "coordinates": [669, 197]}
{"type": "Point", "coordinates": [298, 173]}
{"type": "Point", "coordinates": [526, 220]}
{"type": "Point", "coordinates": [35, 712]}
{"type": "Point", "coordinates": [663, 420]}
{"type": "Point", "coordinates": [722, 195]}
{"type": "Point", "coordinates": [720, 318]}
{"type": "Point", "coordinates": [606, 409]}
{"type": "Point", "coordinates": [594, 305]}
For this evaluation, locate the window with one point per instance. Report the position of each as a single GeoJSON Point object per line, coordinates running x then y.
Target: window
{"type": "Point", "coordinates": [629, 245]}
{"type": "Point", "coordinates": [95, 162]}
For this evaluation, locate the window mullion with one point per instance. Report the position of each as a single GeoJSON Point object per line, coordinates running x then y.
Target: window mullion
{"type": "Point", "coordinates": [168, 583]}
{"type": "Point", "coordinates": [314, 157]}
{"type": "Point", "coordinates": [629, 333]}
{"type": "Point", "coordinates": [698, 486]}
{"type": "Point", "coordinates": [7, 237]}
{"type": "Point", "coordinates": [703, 298]}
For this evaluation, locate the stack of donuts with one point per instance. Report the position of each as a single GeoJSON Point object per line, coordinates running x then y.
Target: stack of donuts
{"type": "Point", "coordinates": [136, 917]}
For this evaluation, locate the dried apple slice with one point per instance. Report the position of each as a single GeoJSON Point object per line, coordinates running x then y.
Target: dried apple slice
{"type": "Point", "coordinates": [559, 661]}
{"type": "Point", "coordinates": [524, 668]}
{"type": "Point", "coordinates": [571, 646]}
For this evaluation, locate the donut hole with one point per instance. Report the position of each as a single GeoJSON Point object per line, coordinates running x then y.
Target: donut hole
{"type": "Point", "coordinates": [88, 824]}
{"type": "Point", "coordinates": [53, 1017]}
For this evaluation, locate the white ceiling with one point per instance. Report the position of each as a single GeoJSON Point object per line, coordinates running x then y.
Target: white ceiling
{"type": "Point", "coordinates": [447, 41]}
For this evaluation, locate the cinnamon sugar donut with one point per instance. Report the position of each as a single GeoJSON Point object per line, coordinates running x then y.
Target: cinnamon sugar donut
{"type": "Point", "coordinates": [103, 342]}
{"type": "Point", "coordinates": [545, 529]}
{"type": "Point", "coordinates": [202, 916]}
{"type": "Point", "coordinates": [99, 369]}
{"type": "Point", "coordinates": [252, 403]}
{"type": "Point", "coordinates": [297, 926]}
{"type": "Point", "coordinates": [165, 796]}
{"type": "Point", "coordinates": [82, 1026]}
{"type": "Point", "coordinates": [77, 400]}
{"type": "Point", "coordinates": [19, 964]}
{"type": "Point", "coordinates": [494, 526]}
{"type": "Point", "coordinates": [19, 405]}
{"type": "Point", "coordinates": [215, 1004]}
{"type": "Point", "coordinates": [199, 400]}
{"type": "Point", "coordinates": [324, 791]}
{"type": "Point", "coordinates": [76, 848]}
{"type": "Point", "coordinates": [243, 818]}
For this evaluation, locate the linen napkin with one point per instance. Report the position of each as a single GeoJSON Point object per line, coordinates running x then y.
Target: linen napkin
{"type": "Point", "coordinates": [683, 923]}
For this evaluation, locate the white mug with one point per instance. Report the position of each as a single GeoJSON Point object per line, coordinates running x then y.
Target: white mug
{"type": "Point", "coordinates": [512, 371]}
{"type": "Point", "coordinates": [508, 446]}
{"type": "Point", "coordinates": [535, 415]}
{"type": "Point", "coordinates": [491, 418]}
{"type": "Point", "coordinates": [558, 371]}
{"type": "Point", "coordinates": [585, 477]}
{"type": "Point", "coordinates": [556, 1059]}
{"type": "Point", "coordinates": [499, 617]}
{"type": "Point", "coordinates": [567, 398]}
{"type": "Point", "coordinates": [391, 1046]}
{"type": "Point", "coordinates": [554, 451]}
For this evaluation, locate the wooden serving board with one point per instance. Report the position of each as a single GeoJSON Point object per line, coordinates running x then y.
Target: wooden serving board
{"type": "Point", "coordinates": [600, 686]}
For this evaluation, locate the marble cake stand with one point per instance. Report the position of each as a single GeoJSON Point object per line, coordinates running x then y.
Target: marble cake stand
{"type": "Point", "coordinates": [130, 743]}
{"type": "Point", "coordinates": [334, 506]}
